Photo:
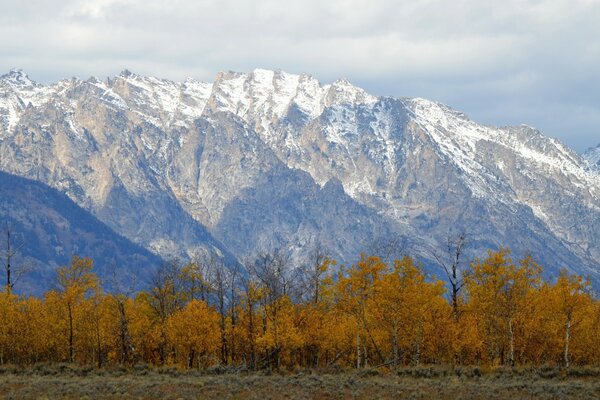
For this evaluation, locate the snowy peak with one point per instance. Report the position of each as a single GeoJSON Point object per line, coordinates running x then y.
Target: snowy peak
{"type": "Point", "coordinates": [266, 96]}
{"type": "Point", "coordinates": [126, 74]}
{"type": "Point", "coordinates": [592, 156]}
{"type": "Point", "coordinates": [228, 93]}
{"type": "Point", "coordinates": [259, 92]}
{"type": "Point", "coordinates": [17, 92]}
{"type": "Point", "coordinates": [343, 92]}
{"type": "Point", "coordinates": [161, 102]}
{"type": "Point", "coordinates": [16, 77]}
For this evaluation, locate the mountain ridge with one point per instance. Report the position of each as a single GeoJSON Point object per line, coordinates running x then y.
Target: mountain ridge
{"type": "Point", "coordinates": [53, 228]}
{"type": "Point", "coordinates": [417, 167]}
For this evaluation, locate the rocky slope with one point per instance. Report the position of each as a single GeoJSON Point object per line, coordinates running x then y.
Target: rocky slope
{"type": "Point", "coordinates": [265, 159]}
{"type": "Point", "coordinates": [51, 228]}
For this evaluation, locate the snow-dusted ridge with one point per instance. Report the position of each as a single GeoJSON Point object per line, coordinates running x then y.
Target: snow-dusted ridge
{"type": "Point", "coordinates": [19, 92]}
{"type": "Point", "coordinates": [592, 156]}
{"type": "Point", "coordinates": [263, 98]}
{"type": "Point", "coordinates": [459, 138]}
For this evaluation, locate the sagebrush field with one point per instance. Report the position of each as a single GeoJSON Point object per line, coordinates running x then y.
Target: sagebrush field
{"type": "Point", "coordinates": [145, 382]}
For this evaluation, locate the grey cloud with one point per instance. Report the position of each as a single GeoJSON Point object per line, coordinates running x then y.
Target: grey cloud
{"type": "Point", "coordinates": [534, 62]}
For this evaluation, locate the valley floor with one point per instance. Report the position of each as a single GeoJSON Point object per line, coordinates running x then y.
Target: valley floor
{"type": "Point", "coordinates": [424, 383]}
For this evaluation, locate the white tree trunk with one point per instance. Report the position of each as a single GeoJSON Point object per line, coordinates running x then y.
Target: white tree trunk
{"type": "Point", "coordinates": [567, 339]}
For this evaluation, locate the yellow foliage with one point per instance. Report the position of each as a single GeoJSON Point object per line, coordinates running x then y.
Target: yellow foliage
{"type": "Point", "coordinates": [194, 334]}
{"type": "Point", "coordinates": [370, 314]}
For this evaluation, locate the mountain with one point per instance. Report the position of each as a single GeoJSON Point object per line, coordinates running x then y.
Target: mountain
{"type": "Point", "coordinates": [592, 156]}
{"type": "Point", "coordinates": [75, 137]}
{"type": "Point", "coordinates": [52, 228]}
{"type": "Point", "coordinates": [265, 159]}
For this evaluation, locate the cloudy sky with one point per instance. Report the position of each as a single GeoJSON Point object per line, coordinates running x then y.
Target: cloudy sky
{"type": "Point", "coordinates": [501, 62]}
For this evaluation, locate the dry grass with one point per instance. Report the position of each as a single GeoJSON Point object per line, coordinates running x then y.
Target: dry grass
{"type": "Point", "coordinates": [63, 381]}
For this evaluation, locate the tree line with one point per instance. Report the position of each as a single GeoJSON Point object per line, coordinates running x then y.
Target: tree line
{"type": "Point", "coordinates": [374, 313]}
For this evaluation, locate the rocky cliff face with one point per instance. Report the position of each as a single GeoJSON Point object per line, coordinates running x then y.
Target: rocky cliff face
{"type": "Point", "coordinates": [264, 159]}
{"type": "Point", "coordinates": [48, 229]}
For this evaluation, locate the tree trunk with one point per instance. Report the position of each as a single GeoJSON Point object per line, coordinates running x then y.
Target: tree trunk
{"type": "Point", "coordinates": [395, 345]}
{"type": "Point", "coordinates": [232, 347]}
{"type": "Point", "coordinates": [417, 353]}
{"type": "Point", "coordinates": [223, 343]}
{"type": "Point", "coordinates": [99, 349]}
{"type": "Point", "coordinates": [567, 339]}
{"type": "Point", "coordinates": [191, 356]}
{"type": "Point", "coordinates": [71, 350]}
{"type": "Point", "coordinates": [8, 259]}
{"type": "Point", "coordinates": [125, 339]}
{"type": "Point", "coordinates": [511, 356]}
{"type": "Point", "coordinates": [455, 290]}
{"type": "Point", "coordinates": [357, 349]}
{"type": "Point", "coordinates": [251, 335]}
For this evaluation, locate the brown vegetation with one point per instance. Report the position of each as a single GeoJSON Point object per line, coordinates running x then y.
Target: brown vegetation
{"type": "Point", "coordinates": [426, 382]}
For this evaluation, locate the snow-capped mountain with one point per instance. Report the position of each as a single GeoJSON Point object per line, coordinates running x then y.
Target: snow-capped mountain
{"type": "Point", "coordinates": [264, 159]}
{"type": "Point", "coordinates": [593, 157]}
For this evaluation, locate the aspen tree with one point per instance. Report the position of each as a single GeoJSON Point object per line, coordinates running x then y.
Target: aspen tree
{"type": "Point", "coordinates": [75, 282]}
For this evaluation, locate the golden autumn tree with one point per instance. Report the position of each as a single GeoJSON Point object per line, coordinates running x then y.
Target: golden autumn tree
{"type": "Point", "coordinates": [97, 338]}
{"type": "Point", "coordinates": [32, 338]}
{"type": "Point", "coordinates": [120, 307]}
{"type": "Point", "coordinates": [355, 288]}
{"type": "Point", "coordinates": [371, 314]}
{"type": "Point", "coordinates": [166, 297]}
{"type": "Point", "coordinates": [587, 352]}
{"type": "Point", "coordinates": [337, 337]}
{"type": "Point", "coordinates": [572, 302]}
{"type": "Point", "coordinates": [499, 293]}
{"type": "Point", "coordinates": [566, 324]}
{"type": "Point", "coordinates": [314, 313]}
{"type": "Point", "coordinates": [271, 273]}
{"type": "Point", "coordinates": [195, 281]}
{"type": "Point", "coordinates": [194, 333]}
{"type": "Point", "coordinates": [279, 335]}
{"type": "Point", "coordinates": [411, 310]}
{"type": "Point", "coordinates": [75, 281]}
{"type": "Point", "coordinates": [9, 315]}
{"type": "Point", "coordinates": [249, 321]}
{"type": "Point", "coordinates": [142, 327]}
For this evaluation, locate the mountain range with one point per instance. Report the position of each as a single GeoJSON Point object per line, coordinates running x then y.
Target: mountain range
{"type": "Point", "coordinates": [263, 160]}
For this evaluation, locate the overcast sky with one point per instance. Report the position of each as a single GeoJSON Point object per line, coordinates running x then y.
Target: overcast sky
{"type": "Point", "coordinates": [501, 62]}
